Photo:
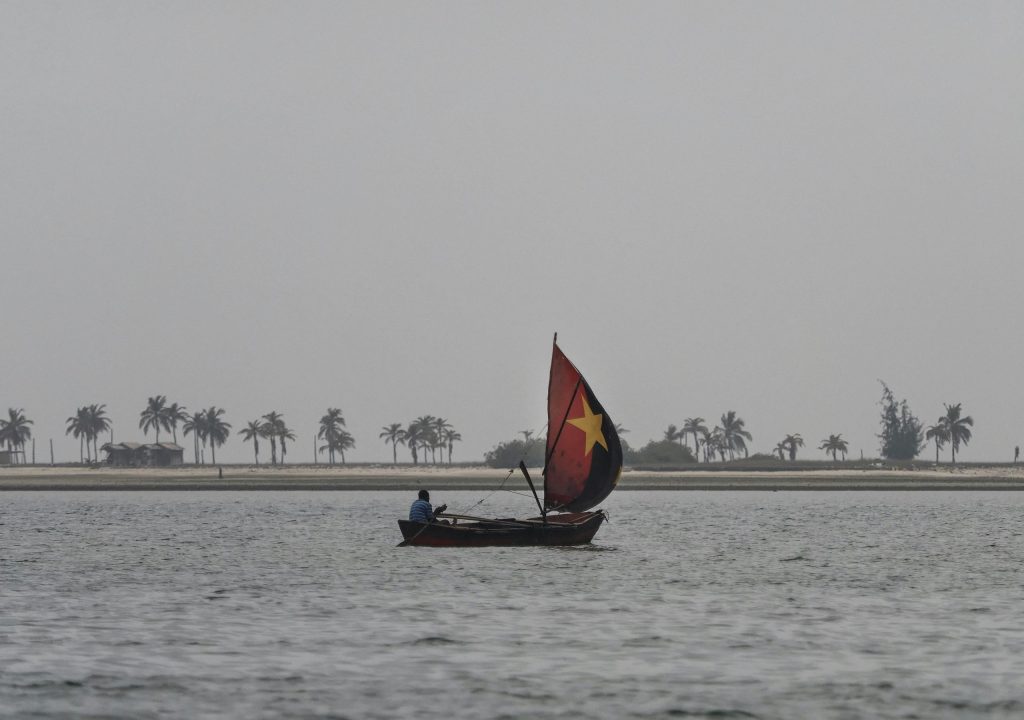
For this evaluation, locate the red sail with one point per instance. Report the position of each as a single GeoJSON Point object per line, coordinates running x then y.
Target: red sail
{"type": "Point", "coordinates": [584, 456]}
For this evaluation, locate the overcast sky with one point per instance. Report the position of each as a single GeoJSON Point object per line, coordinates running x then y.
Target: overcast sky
{"type": "Point", "coordinates": [390, 208]}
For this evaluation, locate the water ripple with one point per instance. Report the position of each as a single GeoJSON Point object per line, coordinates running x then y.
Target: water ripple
{"type": "Point", "coordinates": [715, 605]}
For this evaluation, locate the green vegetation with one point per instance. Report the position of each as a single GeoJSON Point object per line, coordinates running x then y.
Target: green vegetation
{"type": "Point", "coordinates": [958, 429]}
{"type": "Point", "coordinates": [217, 430]}
{"type": "Point", "coordinates": [834, 444]}
{"type": "Point", "coordinates": [252, 432]}
{"type": "Point", "coordinates": [940, 434]}
{"type": "Point", "coordinates": [15, 430]}
{"type": "Point", "coordinates": [697, 428]}
{"type": "Point", "coordinates": [508, 454]}
{"type": "Point", "coordinates": [394, 434]}
{"type": "Point", "coordinates": [195, 425]}
{"type": "Point", "coordinates": [424, 434]}
{"type": "Point", "coordinates": [432, 439]}
{"type": "Point", "coordinates": [86, 424]}
{"type": "Point", "coordinates": [336, 438]}
{"type": "Point", "coordinates": [174, 414]}
{"type": "Point", "coordinates": [660, 454]}
{"type": "Point", "coordinates": [155, 416]}
{"type": "Point", "coordinates": [902, 435]}
{"type": "Point", "coordinates": [789, 444]}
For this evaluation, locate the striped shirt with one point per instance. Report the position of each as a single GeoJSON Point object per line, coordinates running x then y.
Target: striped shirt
{"type": "Point", "coordinates": [421, 511]}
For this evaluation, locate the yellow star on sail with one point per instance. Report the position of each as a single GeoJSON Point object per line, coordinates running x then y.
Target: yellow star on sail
{"type": "Point", "coordinates": [591, 425]}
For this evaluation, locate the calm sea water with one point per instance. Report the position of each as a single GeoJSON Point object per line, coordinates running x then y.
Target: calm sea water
{"type": "Point", "coordinates": [749, 604]}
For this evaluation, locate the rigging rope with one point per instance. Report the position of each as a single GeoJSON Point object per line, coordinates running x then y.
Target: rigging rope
{"type": "Point", "coordinates": [501, 486]}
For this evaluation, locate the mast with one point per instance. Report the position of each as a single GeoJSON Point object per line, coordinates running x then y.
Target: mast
{"type": "Point", "coordinates": [526, 474]}
{"type": "Point", "coordinates": [544, 471]}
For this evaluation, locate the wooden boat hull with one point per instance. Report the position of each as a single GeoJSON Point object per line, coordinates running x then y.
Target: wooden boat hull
{"type": "Point", "coordinates": [563, 529]}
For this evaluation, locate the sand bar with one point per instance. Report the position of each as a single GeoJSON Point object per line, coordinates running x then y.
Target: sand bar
{"type": "Point", "coordinates": [384, 477]}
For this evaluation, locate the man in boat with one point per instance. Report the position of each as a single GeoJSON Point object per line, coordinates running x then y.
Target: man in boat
{"type": "Point", "coordinates": [421, 510]}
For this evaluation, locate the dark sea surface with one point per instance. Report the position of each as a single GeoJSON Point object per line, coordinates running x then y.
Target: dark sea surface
{"type": "Point", "coordinates": [688, 604]}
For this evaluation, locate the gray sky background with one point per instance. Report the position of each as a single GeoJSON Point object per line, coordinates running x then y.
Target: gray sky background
{"type": "Point", "coordinates": [390, 208]}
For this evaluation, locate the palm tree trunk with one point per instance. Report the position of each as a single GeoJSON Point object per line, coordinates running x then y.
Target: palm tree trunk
{"type": "Point", "coordinates": [394, 454]}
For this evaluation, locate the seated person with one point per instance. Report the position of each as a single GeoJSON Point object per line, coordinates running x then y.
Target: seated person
{"type": "Point", "coordinates": [421, 510]}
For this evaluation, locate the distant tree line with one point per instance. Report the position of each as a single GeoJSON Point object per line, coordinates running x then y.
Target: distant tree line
{"type": "Point", "coordinates": [903, 436]}
{"type": "Point", "coordinates": [428, 438]}
{"type": "Point", "coordinates": [730, 438]}
{"type": "Point", "coordinates": [426, 434]}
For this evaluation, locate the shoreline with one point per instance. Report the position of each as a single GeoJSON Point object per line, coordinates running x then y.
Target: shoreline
{"type": "Point", "coordinates": [370, 478]}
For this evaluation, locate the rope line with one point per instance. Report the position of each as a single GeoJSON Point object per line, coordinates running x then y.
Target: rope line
{"type": "Point", "coordinates": [501, 486]}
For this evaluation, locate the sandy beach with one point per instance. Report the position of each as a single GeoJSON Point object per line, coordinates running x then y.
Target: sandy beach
{"type": "Point", "coordinates": [385, 477]}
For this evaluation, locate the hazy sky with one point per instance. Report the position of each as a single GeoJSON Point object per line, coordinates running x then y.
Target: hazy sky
{"type": "Point", "coordinates": [390, 208]}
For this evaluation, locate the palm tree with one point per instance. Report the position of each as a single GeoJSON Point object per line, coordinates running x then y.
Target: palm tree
{"type": "Point", "coordinates": [330, 424]}
{"type": "Point", "coordinates": [716, 442]}
{"type": "Point", "coordinates": [175, 413]}
{"type": "Point", "coordinates": [78, 427]}
{"type": "Point", "coordinates": [395, 435]}
{"type": "Point", "coordinates": [939, 433]}
{"type": "Point", "coordinates": [413, 437]}
{"type": "Point", "coordinates": [672, 434]}
{"type": "Point", "coordinates": [696, 427]}
{"type": "Point", "coordinates": [792, 442]}
{"type": "Point", "coordinates": [959, 428]}
{"type": "Point", "coordinates": [439, 426]}
{"type": "Point", "coordinates": [196, 426]}
{"type": "Point", "coordinates": [705, 443]}
{"type": "Point", "coordinates": [780, 448]}
{"type": "Point", "coordinates": [98, 422]}
{"type": "Point", "coordinates": [252, 431]}
{"type": "Point", "coordinates": [834, 444]}
{"type": "Point", "coordinates": [15, 430]}
{"type": "Point", "coordinates": [154, 416]}
{"type": "Point", "coordinates": [339, 442]}
{"type": "Point", "coordinates": [345, 442]}
{"type": "Point", "coordinates": [451, 437]}
{"type": "Point", "coordinates": [284, 433]}
{"type": "Point", "coordinates": [273, 421]}
{"type": "Point", "coordinates": [217, 430]}
{"type": "Point", "coordinates": [427, 436]}
{"type": "Point", "coordinates": [734, 434]}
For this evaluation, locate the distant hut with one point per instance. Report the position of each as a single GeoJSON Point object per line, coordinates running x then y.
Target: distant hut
{"type": "Point", "coordinates": [164, 454]}
{"type": "Point", "coordinates": [6, 457]}
{"type": "Point", "coordinates": [132, 454]}
{"type": "Point", "coordinates": [125, 454]}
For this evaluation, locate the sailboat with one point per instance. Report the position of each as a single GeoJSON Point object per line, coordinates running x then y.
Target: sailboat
{"type": "Point", "coordinates": [583, 463]}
